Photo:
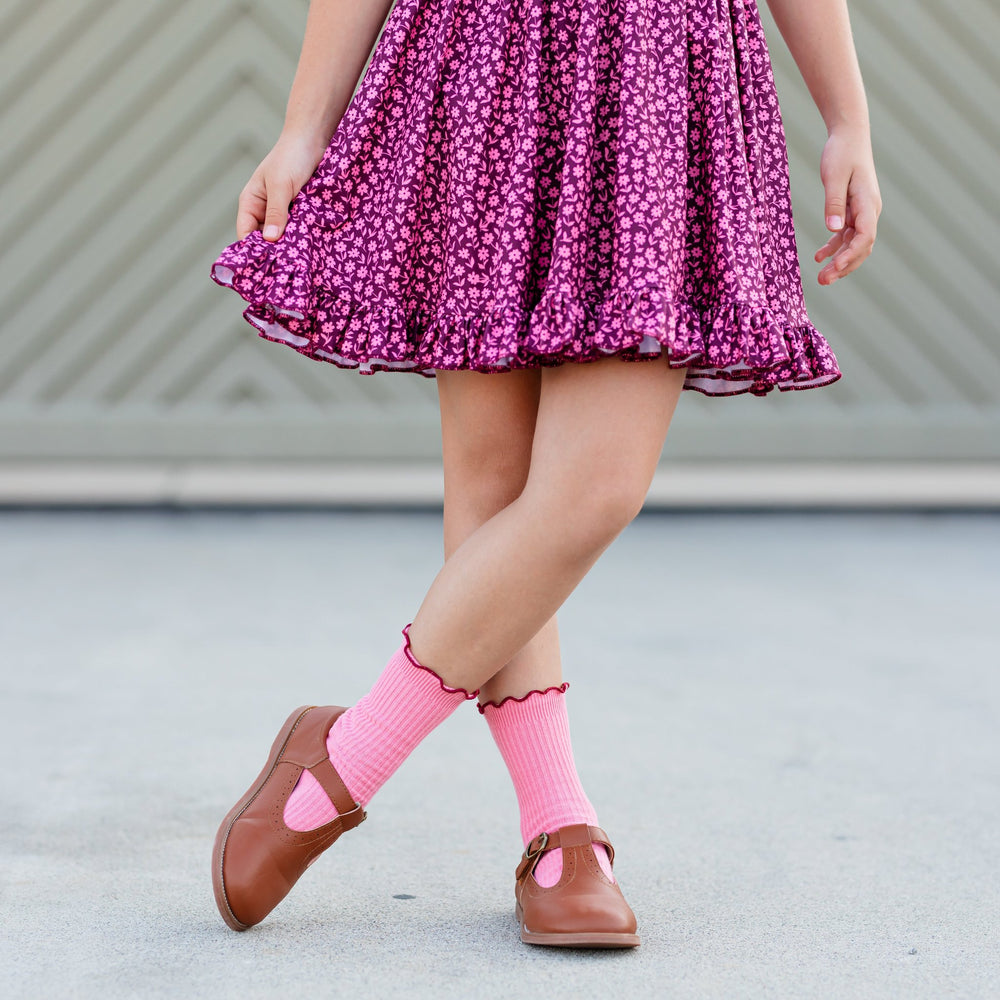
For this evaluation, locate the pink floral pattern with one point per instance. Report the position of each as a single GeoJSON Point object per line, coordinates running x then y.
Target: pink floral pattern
{"type": "Point", "coordinates": [525, 183]}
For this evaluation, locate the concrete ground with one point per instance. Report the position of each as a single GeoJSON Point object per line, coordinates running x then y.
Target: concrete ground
{"type": "Point", "coordinates": [788, 724]}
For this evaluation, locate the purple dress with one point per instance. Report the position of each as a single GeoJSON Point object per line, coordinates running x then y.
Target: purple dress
{"type": "Point", "coordinates": [525, 183]}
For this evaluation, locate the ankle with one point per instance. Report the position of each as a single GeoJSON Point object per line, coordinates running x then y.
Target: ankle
{"type": "Point", "coordinates": [370, 740]}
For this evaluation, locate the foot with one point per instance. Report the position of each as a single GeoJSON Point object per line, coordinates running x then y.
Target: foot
{"type": "Point", "coordinates": [584, 909]}
{"type": "Point", "coordinates": [257, 857]}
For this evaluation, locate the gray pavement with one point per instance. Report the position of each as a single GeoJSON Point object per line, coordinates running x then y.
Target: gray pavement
{"type": "Point", "coordinates": [788, 724]}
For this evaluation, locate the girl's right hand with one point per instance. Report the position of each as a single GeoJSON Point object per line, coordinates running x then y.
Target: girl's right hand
{"type": "Point", "coordinates": [265, 198]}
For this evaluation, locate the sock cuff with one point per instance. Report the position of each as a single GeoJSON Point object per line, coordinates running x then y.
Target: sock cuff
{"type": "Point", "coordinates": [559, 689]}
{"type": "Point", "coordinates": [469, 695]}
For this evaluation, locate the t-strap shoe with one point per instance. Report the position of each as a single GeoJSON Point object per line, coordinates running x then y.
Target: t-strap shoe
{"type": "Point", "coordinates": [584, 909]}
{"type": "Point", "coordinates": [257, 858]}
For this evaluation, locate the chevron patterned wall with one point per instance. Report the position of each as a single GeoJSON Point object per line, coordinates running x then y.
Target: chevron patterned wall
{"type": "Point", "coordinates": [129, 130]}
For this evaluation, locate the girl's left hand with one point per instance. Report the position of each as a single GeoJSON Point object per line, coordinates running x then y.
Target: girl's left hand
{"type": "Point", "coordinates": [853, 202]}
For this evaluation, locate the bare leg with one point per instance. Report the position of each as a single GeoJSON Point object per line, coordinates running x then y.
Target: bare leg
{"type": "Point", "coordinates": [487, 426]}
{"type": "Point", "coordinates": [599, 432]}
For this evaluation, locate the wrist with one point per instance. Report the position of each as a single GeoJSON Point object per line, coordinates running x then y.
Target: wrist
{"type": "Point", "coordinates": [315, 139]}
{"type": "Point", "coordinates": [853, 123]}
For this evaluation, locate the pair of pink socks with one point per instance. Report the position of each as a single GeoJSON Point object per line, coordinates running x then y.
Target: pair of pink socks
{"type": "Point", "coordinates": [372, 738]}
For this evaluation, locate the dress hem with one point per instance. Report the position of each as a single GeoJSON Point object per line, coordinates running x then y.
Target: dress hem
{"type": "Point", "coordinates": [737, 349]}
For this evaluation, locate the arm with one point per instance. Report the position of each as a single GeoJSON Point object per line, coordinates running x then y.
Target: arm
{"type": "Point", "coordinates": [818, 35]}
{"type": "Point", "coordinates": [339, 37]}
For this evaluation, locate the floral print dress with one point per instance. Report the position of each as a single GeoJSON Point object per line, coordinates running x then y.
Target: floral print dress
{"type": "Point", "coordinates": [527, 183]}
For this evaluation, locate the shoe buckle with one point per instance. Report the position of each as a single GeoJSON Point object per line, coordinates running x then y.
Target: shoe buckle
{"type": "Point", "coordinates": [530, 855]}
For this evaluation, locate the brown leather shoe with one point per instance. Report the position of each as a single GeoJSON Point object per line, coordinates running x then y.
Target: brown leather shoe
{"type": "Point", "coordinates": [257, 859]}
{"type": "Point", "coordinates": [584, 909]}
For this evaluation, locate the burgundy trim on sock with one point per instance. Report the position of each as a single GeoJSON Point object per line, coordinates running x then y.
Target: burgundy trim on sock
{"type": "Point", "coordinates": [417, 663]}
{"type": "Point", "coordinates": [561, 688]}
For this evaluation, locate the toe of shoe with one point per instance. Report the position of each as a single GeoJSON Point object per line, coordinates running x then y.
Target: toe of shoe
{"type": "Point", "coordinates": [604, 911]}
{"type": "Point", "coordinates": [250, 877]}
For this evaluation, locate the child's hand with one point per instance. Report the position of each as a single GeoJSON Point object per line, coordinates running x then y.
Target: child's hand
{"type": "Point", "coordinates": [265, 199]}
{"type": "Point", "coordinates": [853, 202]}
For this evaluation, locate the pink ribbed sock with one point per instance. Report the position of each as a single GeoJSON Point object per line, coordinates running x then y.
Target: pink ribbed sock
{"type": "Point", "coordinates": [372, 738]}
{"type": "Point", "coordinates": [532, 734]}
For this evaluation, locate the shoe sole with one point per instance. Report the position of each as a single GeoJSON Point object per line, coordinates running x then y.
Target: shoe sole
{"type": "Point", "coordinates": [219, 848]}
{"type": "Point", "coordinates": [580, 939]}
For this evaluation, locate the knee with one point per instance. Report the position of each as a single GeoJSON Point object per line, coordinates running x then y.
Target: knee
{"type": "Point", "coordinates": [609, 508]}
{"type": "Point", "coordinates": [486, 478]}
{"type": "Point", "coordinates": [591, 514]}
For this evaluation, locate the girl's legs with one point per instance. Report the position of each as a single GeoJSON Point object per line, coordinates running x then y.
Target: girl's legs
{"type": "Point", "coordinates": [597, 436]}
